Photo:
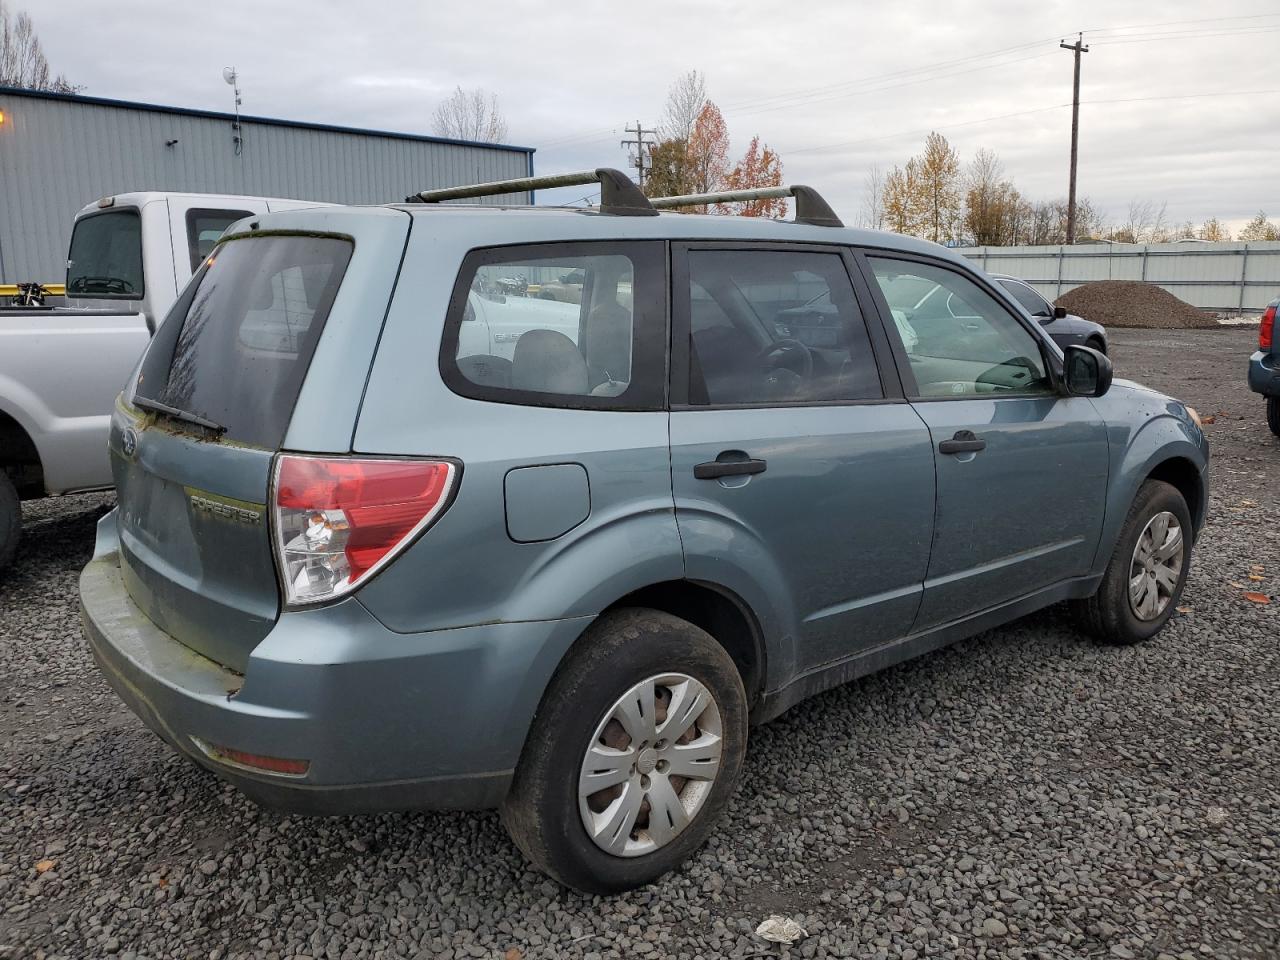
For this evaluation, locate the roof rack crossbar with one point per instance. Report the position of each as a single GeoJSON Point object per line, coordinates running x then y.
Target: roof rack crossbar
{"type": "Point", "coordinates": [810, 207]}
{"type": "Point", "coordinates": [618, 194]}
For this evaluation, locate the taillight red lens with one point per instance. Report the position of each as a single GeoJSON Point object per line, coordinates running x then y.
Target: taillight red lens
{"type": "Point", "coordinates": [1266, 333]}
{"type": "Point", "coordinates": [339, 520]}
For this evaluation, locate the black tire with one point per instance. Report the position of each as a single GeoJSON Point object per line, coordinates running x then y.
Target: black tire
{"type": "Point", "coordinates": [1107, 614]}
{"type": "Point", "coordinates": [1273, 414]}
{"type": "Point", "coordinates": [10, 520]}
{"type": "Point", "coordinates": [618, 651]}
{"type": "Point", "coordinates": [1096, 344]}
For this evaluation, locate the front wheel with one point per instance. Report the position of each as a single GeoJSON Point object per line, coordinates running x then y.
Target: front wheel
{"type": "Point", "coordinates": [1147, 570]}
{"type": "Point", "coordinates": [1273, 414]}
{"type": "Point", "coordinates": [1096, 343]}
{"type": "Point", "coordinates": [633, 754]}
{"type": "Point", "coordinates": [10, 520]}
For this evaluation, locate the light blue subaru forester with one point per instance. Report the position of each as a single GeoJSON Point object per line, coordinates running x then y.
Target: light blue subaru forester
{"type": "Point", "coordinates": [464, 506]}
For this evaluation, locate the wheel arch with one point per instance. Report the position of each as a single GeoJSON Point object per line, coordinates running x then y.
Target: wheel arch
{"type": "Point", "coordinates": [721, 613]}
{"type": "Point", "coordinates": [20, 457]}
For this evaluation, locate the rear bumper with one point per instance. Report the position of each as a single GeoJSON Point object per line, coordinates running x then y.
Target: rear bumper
{"type": "Point", "coordinates": [386, 721]}
{"type": "Point", "coordinates": [1264, 373]}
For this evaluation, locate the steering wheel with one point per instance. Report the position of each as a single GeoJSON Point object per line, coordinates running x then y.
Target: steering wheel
{"type": "Point", "coordinates": [785, 352]}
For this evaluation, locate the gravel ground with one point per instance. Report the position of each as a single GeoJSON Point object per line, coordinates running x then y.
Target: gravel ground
{"type": "Point", "coordinates": [1022, 794]}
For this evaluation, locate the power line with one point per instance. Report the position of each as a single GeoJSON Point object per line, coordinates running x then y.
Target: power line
{"type": "Point", "coordinates": [1021, 113]}
{"type": "Point", "coordinates": [1171, 23]}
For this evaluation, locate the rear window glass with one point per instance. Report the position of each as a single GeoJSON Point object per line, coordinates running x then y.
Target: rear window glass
{"type": "Point", "coordinates": [105, 261]}
{"type": "Point", "coordinates": [236, 356]}
{"type": "Point", "coordinates": [204, 227]}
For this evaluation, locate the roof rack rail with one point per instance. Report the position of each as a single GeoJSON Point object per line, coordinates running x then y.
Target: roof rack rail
{"type": "Point", "coordinates": [618, 193]}
{"type": "Point", "coordinates": [810, 207]}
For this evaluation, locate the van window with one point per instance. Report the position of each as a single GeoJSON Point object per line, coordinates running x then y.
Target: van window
{"type": "Point", "coordinates": [575, 324]}
{"type": "Point", "coordinates": [105, 260]}
{"type": "Point", "coordinates": [235, 349]}
{"type": "Point", "coordinates": [774, 327]}
{"type": "Point", "coordinates": [204, 227]}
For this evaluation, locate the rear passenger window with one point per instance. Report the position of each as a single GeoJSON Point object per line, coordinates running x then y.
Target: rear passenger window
{"type": "Point", "coordinates": [204, 227]}
{"type": "Point", "coordinates": [578, 325]}
{"type": "Point", "coordinates": [776, 327]}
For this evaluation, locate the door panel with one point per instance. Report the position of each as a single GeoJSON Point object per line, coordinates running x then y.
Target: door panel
{"type": "Point", "coordinates": [843, 512]}
{"type": "Point", "coordinates": [1021, 469]}
{"type": "Point", "coordinates": [795, 469]}
{"type": "Point", "coordinates": [1020, 514]}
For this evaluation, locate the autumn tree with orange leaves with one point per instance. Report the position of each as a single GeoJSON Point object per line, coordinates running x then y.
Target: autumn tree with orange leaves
{"type": "Point", "coordinates": [699, 161]}
{"type": "Point", "coordinates": [759, 167]}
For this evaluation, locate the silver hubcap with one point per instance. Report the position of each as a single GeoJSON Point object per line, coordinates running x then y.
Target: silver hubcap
{"type": "Point", "coordinates": [1156, 566]}
{"type": "Point", "coordinates": [650, 765]}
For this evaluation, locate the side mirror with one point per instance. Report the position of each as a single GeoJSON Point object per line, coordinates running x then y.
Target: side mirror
{"type": "Point", "coordinates": [1059, 313]}
{"type": "Point", "coordinates": [1086, 372]}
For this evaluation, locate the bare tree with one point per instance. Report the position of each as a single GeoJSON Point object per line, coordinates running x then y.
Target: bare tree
{"type": "Point", "coordinates": [871, 215]}
{"type": "Point", "coordinates": [470, 115]}
{"type": "Point", "coordinates": [22, 60]}
{"type": "Point", "coordinates": [685, 100]}
{"type": "Point", "coordinates": [1144, 223]}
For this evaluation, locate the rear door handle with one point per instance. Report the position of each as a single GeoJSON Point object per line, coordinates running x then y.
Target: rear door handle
{"type": "Point", "coordinates": [964, 441]}
{"type": "Point", "coordinates": [714, 469]}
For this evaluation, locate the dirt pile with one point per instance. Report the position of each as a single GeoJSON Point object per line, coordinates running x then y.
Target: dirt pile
{"type": "Point", "coordinates": [1132, 303]}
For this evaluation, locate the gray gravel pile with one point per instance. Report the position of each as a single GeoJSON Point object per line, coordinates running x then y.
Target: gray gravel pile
{"type": "Point", "coordinates": [1132, 303]}
{"type": "Point", "coordinates": [1023, 794]}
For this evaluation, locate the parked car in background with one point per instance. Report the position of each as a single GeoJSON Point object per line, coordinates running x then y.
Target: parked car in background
{"type": "Point", "coordinates": [62, 367]}
{"type": "Point", "coordinates": [370, 554]}
{"type": "Point", "coordinates": [1066, 329]}
{"type": "Point", "coordinates": [1264, 366]}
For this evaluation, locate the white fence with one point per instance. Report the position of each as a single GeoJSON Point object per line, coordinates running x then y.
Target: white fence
{"type": "Point", "coordinates": [1229, 277]}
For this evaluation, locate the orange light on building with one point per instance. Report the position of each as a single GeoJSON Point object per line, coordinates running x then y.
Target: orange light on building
{"type": "Point", "coordinates": [1, 117]}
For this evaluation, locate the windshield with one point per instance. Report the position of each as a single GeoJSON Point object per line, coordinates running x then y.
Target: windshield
{"type": "Point", "coordinates": [235, 348]}
{"type": "Point", "coordinates": [106, 256]}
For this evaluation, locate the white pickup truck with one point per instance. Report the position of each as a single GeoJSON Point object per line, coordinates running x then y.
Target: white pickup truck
{"type": "Point", "coordinates": [61, 367]}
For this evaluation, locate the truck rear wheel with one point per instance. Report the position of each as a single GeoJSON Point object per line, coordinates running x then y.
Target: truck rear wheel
{"type": "Point", "coordinates": [1273, 414]}
{"type": "Point", "coordinates": [10, 520]}
{"type": "Point", "coordinates": [632, 756]}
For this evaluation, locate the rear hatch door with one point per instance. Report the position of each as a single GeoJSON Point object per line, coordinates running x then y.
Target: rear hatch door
{"type": "Point", "coordinates": [224, 386]}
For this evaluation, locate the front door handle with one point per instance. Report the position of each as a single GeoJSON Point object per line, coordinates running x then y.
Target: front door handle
{"type": "Point", "coordinates": [965, 441]}
{"type": "Point", "coordinates": [714, 469]}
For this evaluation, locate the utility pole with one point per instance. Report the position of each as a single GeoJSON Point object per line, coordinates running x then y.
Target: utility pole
{"type": "Point", "coordinates": [641, 143]}
{"type": "Point", "coordinates": [1078, 47]}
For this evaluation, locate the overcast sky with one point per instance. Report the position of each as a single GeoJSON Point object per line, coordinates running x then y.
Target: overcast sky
{"type": "Point", "coordinates": [835, 87]}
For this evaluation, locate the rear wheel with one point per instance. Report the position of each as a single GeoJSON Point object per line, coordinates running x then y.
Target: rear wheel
{"type": "Point", "coordinates": [1273, 414]}
{"type": "Point", "coordinates": [10, 520]}
{"type": "Point", "coordinates": [633, 754]}
{"type": "Point", "coordinates": [1147, 570]}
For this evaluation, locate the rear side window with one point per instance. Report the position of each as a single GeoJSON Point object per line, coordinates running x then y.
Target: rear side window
{"type": "Point", "coordinates": [105, 260]}
{"type": "Point", "coordinates": [776, 327]}
{"type": "Point", "coordinates": [235, 349]}
{"type": "Point", "coordinates": [204, 227]}
{"type": "Point", "coordinates": [574, 324]}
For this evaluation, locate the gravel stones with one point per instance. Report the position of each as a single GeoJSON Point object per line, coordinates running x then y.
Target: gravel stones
{"type": "Point", "coordinates": [1064, 799]}
{"type": "Point", "coordinates": [1132, 303]}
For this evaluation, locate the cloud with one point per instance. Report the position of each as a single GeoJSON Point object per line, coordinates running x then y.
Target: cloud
{"type": "Point", "coordinates": [836, 87]}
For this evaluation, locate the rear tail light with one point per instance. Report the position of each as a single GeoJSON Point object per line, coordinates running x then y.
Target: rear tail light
{"type": "Point", "coordinates": [1266, 333]}
{"type": "Point", "coordinates": [339, 521]}
{"type": "Point", "coordinates": [283, 766]}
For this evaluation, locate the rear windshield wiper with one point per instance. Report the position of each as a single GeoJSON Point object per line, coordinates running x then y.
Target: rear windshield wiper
{"type": "Point", "coordinates": [148, 404]}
